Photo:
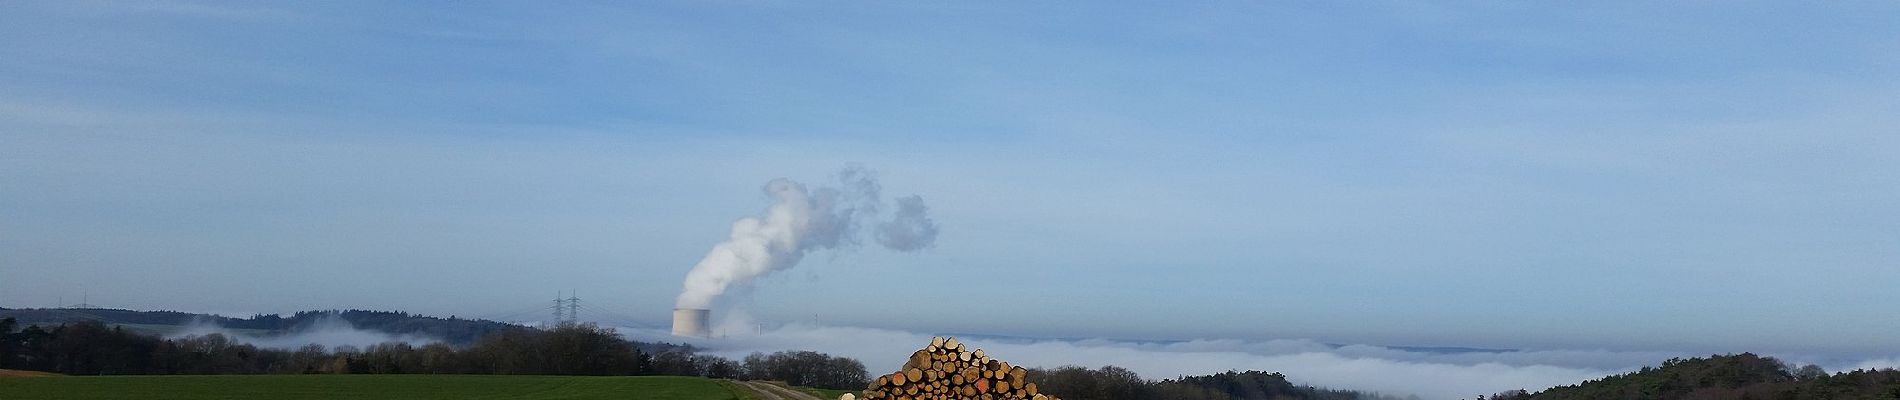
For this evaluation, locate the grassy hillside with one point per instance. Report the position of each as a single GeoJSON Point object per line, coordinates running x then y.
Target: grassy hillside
{"type": "Point", "coordinates": [291, 387]}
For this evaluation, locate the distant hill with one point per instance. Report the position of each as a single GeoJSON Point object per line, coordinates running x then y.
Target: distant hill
{"type": "Point", "coordinates": [1736, 376]}
{"type": "Point", "coordinates": [453, 330]}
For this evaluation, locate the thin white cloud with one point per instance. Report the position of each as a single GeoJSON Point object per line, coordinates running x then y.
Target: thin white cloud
{"type": "Point", "coordinates": [329, 331]}
{"type": "Point", "coordinates": [219, 11]}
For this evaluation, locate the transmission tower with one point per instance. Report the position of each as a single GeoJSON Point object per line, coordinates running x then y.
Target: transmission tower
{"type": "Point", "coordinates": [566, 310]}
{"type": "Point", "coordinates": [573, 308]}
{"type": "Point", "coordinates": [560, 308]}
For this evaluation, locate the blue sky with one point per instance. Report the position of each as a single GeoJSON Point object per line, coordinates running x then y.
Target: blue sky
{"type": "Point", "coordinates": [1682, 176]}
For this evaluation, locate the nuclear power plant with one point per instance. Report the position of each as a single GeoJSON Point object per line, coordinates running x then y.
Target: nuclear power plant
{"type": "Point", "coordinates": [809, 218]}
{"type": "Point", "coordinates": [692, 322]}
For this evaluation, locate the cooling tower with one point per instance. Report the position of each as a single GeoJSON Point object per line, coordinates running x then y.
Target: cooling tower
{"type": "Point", "coordinates": [691, 322]}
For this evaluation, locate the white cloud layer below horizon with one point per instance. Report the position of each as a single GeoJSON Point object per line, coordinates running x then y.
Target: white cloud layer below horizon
{"type": "Point", "coordinates": [1358, 367]}
{"type": "Point", "coordinates": [1380, 369]}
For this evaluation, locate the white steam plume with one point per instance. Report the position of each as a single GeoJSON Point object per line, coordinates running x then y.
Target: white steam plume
{"type": "Point", "coordinates": [910, 229]}
{"type": "Point", "coordinates": [800, 220]}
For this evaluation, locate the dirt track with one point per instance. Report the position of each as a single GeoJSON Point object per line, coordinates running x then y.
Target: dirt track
{"type": "Point", "coordinates": [14, 373]}
{"type": "Point", "coordinates": [767, 391]}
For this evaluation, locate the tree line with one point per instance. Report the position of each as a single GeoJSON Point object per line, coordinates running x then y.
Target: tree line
{"type": "Point", "coordinates": [93, 348]}
{"type": "Point", "coordinates": [1112, 382]}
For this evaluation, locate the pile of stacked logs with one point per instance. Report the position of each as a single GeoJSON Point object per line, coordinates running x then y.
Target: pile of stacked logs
{"type": "Point", "coordinates": [945, 370]}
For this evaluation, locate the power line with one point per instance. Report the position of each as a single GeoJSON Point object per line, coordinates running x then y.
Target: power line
{"type": "Point", "coordinates": [511, 315]}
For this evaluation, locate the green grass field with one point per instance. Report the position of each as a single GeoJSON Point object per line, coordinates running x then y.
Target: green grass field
{"type": "Point", "coordinates": [291, 387]}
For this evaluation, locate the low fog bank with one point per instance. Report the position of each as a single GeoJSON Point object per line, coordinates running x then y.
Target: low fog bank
{"type": "Point", "coordinates": [1430, 375]}
{"type": "Point", "coordinates": [330, 331]}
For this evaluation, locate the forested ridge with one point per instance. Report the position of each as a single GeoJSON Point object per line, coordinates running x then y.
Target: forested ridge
{"type": "Point", "coordinates": [1734, 376]}
{"type": "Point", "coordinates": [453, 329]}
{"type": "Point", "coordinates": [90, 347]}
{"type": "Point", "coordinates": [1111, 382]}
